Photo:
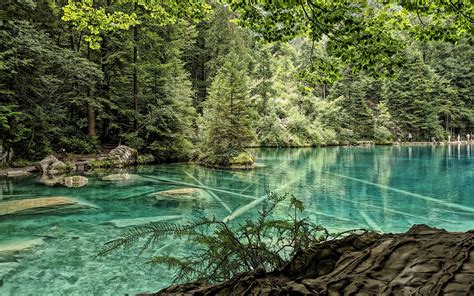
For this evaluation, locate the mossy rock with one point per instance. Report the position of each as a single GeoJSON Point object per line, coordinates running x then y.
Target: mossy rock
{"type": "Point", "coordinates": [243, 160]}
{"type": "Point", "coordinates": [145, 159]}
{"type": "Point", "coordinates": [99, 163]}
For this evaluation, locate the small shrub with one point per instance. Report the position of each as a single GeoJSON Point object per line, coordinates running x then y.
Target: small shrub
{"type": "Point", "coordinates": [145, 159]}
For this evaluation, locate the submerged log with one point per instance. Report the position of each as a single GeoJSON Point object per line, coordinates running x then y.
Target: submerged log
{"type": "Point", "coordinates": [119, 177]}
{"type": "Point", "coordinates": [39, 205]}
{"type": "Point", "coordinates": [422, 261]}
{"type": "Point", "coordinates": [181, 194]}
{"type": "Point", "coordinates": [143, 220]}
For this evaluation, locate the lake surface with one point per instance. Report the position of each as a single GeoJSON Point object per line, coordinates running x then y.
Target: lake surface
{"type": "Point", "coordinates": [382, 188]}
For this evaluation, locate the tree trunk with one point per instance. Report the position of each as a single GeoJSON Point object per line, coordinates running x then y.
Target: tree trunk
{"type": "Point", "coordinates": [90, 109]}
{"type": "Point", "coordinates": [91, 120]}
{"type": "Point", "coordinates": [105, 87]}
{"type": "Point", "coordinates": [135, 78]}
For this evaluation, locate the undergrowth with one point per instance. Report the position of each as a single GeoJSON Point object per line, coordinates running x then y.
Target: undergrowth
{"type": "Point", "coordinates": [222, 250]}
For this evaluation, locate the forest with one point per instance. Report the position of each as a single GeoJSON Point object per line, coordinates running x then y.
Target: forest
{"type": "Point", "coordinates": [204, 80]}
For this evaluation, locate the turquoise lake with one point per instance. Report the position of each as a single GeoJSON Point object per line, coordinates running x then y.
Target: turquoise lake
{"type": "Point", "coordinates": [385, 188]}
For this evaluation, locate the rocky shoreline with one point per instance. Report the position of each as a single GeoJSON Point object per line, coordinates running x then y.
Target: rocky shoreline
{"type": "Point", "coordinates": [120, 157]}
{"type": "Point", "coordinates": [422, 261]}
{"type": "Point", "coordinates": [107, 161]}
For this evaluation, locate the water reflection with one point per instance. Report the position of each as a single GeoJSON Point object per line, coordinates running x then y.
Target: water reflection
{"type": "Point", "coordinates": [382, 188]}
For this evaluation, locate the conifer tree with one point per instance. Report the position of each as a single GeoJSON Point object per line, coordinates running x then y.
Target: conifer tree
{"type": "Point", "coordinates": [226, 123]}
{"type": "Point", "coordinates": [414, 99]}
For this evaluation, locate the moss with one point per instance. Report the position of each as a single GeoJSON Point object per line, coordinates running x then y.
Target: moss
{"type": "Point", "coordinates": [243, 160]}
{"type": "Point", "coordinates": [21, 163]}
{"type": "Point", "coordinates": [70, 166]}
{"type": "Point", "coordinates": [145, 159]}
{"type": "Point", "coordinates": [100, 164]}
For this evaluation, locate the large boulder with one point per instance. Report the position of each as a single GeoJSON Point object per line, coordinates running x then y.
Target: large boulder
{"type": "Point", "coordinates": [51, 165]}
{"type": "Point", "coordinates": [122, 156]}
{"type": "Point", "coordinates": [45, 164]}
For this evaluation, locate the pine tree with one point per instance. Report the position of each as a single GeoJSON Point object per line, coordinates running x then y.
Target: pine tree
{"type": "Point", "coordinates": [226, 124]}
{"type": "Point", "coordinates": [414, 99]}
{"type": "Point", "coordinates": [353, 90]}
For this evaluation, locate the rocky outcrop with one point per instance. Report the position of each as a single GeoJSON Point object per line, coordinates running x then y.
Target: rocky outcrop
{"type": "Point", "coordinates": [40, 205]}
{"type": "Point", "coordinates": [119, 157]}
{"type": "Point", "coordinates": [44, 164]}
{"type": "Point", "coordinates": [123, 156]}
{"type": "Point", "coordinates": [422, 261]}
{"type": "Point", "coordinates": [52, 166]}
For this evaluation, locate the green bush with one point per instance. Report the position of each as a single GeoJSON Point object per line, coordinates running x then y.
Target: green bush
{"type": "Point", "coordinates": [382, 135]}
{"type": "Point", "coordinates": [78, 145]}
{"type": "Point", "coordinates": [271, 131]}
{"type": "Point", "coordinates": [145, 159]}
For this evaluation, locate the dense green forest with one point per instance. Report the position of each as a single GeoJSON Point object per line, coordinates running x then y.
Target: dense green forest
{"type": "Point", "coordinates": [207, 79]}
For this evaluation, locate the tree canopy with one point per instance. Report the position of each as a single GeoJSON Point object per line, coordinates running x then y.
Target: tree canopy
{"type": "Point", "coordinates": [175, 81]}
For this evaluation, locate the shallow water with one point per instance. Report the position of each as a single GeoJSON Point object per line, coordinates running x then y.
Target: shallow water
{"type": "Point", "coordinates": [382, 188]}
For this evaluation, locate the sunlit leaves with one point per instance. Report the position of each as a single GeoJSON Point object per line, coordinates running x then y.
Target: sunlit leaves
{"type": "Point", "coordinates": [93, 20]}
{"type": "Point", "coordinates": [361, 32]}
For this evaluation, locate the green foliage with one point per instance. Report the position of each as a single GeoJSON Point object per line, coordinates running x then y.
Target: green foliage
{"type": "Point", "coordinates": [95, 20]}
{"type": "Point", "coordinates": [145, 159]}
{"type": "Point", "coordinates": [12, 128]}
{"type": "Point", "coordinates": [73, 144]}
{"type": "Point", "coordinates": [362, 33]}
{"type": "Point", "coordinates": [223, 250]}
{"type": "Point", "coordinates": [226, 124]}
{"type": "Point", "coordinates": [76, 75]}
{"type": "Point", "coordinates": [44, 82]}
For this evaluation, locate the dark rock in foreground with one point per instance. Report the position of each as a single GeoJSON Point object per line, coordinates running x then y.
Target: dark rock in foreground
{"type": "Point", "coordinates": [422, 261]}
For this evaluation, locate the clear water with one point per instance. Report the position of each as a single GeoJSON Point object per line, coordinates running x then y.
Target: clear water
{"type": "Point", "coordinates": [383, 188]}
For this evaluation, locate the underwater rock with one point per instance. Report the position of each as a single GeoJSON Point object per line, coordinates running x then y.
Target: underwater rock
{"type": "Point", "coordinates": [19, 244]}
{"type": "Point", "coordinates": [74, 181]}
{"type": "Point", "coordinates": [142, 220]}
{"type": "Point", "coordinates": [40, 205]}
{"type": "Point", "coordinates": [119, 177]}
{"type": "Point", "coordinates": [6, 268]}
{"type": "Point", "coordinates": [181, 194]}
